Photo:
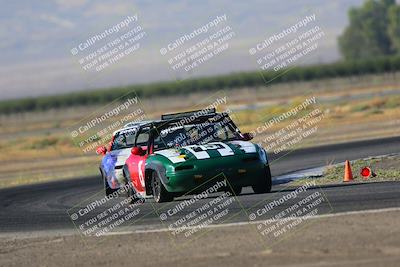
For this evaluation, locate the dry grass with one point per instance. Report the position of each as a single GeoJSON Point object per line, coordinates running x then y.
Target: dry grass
{"type": "Point", "coordinates": [385, 168]}
{"type": "Point", "coordinates": [38, 145]}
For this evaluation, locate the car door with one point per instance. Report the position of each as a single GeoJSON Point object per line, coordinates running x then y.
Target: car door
{"type": "Point", "coordinates": [120, 150]}
{"type": "Point", "coordinates": [136, 163]}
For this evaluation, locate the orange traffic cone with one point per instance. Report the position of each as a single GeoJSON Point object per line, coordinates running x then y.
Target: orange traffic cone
{"type": "Point", "coordinates": [348, 176]}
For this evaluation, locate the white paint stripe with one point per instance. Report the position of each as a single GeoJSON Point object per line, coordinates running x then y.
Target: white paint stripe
{"type": "Point", "coordinates": [351, 262]}
{"type": "Point", "coordinates": [172, 155]}
{"type": "Point", "coordinates": [247, 147]}
{"type": "Point", "coordinates": [347, 213]}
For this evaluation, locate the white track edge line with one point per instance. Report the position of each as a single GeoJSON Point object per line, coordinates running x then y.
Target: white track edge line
{"type": "Point", "coordinates": [346, 213]}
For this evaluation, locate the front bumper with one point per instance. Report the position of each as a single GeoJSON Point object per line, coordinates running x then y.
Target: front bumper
{"type": "Point", "coordinates": [238, 172]}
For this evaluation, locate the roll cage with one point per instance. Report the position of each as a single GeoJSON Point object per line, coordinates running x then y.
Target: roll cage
{"type": "Point", "coordinates": [154, 128]}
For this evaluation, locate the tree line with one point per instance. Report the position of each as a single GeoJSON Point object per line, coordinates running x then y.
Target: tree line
{"type": "Point", "coordinates": [207, 84]}
{"type": "Point", "coordinates": [373, 31]}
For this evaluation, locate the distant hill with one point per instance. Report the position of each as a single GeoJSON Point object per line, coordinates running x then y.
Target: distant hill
{"type": "Point", "coordinates": [37, 36]}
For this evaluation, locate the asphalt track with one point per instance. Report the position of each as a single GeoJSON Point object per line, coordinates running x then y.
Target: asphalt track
{"type": "Point", "coordinates": [43, 207]}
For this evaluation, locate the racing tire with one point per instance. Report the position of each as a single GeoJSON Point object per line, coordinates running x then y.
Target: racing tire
{"type": "Point", "coordinates": [235, 190]}
{"type": "Point", "coordinates": [265, 185]}
{"type": "Point", "coordinates": [160, 194]}
{"type": "Point", "coordinates": [107, 189]}
{"type": "Point", "coordinates": [131, 193]}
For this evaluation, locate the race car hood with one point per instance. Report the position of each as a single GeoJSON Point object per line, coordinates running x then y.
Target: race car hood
{"type": "Point", "coordinates": [208, 151]}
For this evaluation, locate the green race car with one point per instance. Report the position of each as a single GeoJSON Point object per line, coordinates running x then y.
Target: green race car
{"type": "Point", "coordinates": [180, 153]}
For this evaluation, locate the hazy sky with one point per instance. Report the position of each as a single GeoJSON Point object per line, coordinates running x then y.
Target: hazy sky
{"type": "Point", "coordinates": [36, 38]}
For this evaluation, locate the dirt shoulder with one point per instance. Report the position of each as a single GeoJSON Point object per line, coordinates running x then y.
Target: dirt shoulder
{"type": "Point", "coordinates": [385, 168]}
{"type": "Point", "coordinates": [367, 239]}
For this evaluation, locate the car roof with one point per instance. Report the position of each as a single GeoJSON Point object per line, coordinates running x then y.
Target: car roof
{"type": "Point", "coordinates": [168, 118]}
{"type": "Point", "coordinates": [131, 126]}
{"type": "Point", "coordinates": [136, 123]}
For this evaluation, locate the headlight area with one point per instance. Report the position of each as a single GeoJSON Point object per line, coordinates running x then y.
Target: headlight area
{"type": "Point", "coordinates": [184, 167]}
{"type": "Point", "coordinates": [263, 155]}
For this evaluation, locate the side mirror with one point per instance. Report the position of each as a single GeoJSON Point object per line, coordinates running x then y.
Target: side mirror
{"type": "Point", "coordinates": [101, 150]}
{"type": "Point", "coordinates": [247, 136]}
{"type": "Point", "coordinates": [137, 150]}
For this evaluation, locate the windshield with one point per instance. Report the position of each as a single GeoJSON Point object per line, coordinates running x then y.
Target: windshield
{"type": "Point", "coordinates": [124, 139]}
{"type": "Point", "coordinates": [191, 134]}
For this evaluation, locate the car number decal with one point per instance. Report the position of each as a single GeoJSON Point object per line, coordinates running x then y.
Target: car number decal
{"type": "Point", "coordinates": [140, 171]}
{"type": "Point", "coordinates": [200, 151]}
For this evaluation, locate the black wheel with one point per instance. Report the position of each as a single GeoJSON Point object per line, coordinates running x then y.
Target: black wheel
{"type": "Point", "coordinates": [160, 194]}
{"type": "Point", "coordinates": [264, 186]}
{"type": "Point", "coordinates": [130, 192]}
{"type": "Point", "coordinates": [107, 189]}
{"type": "Point", "coordinates": [235, 190]}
